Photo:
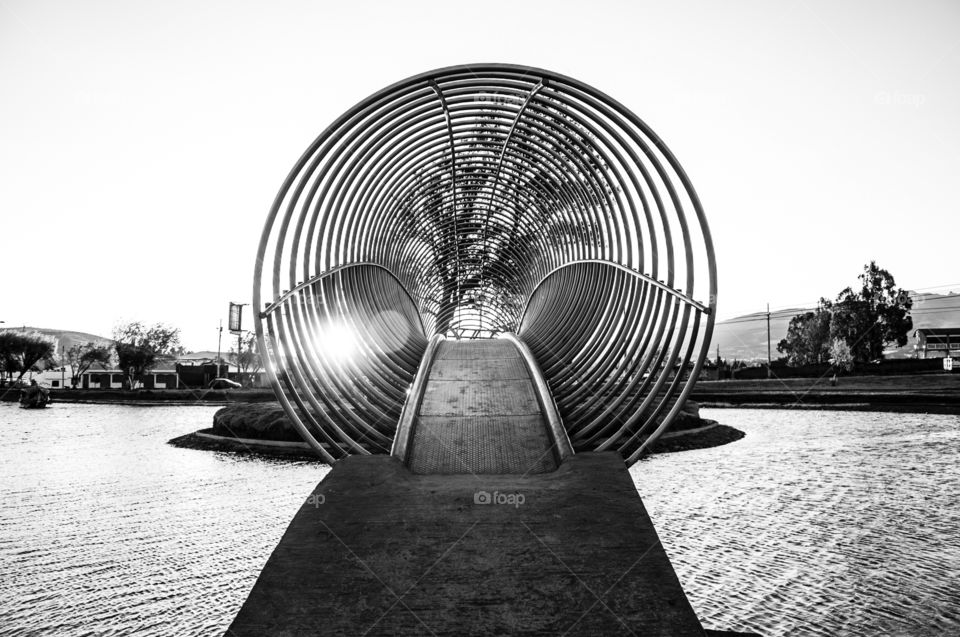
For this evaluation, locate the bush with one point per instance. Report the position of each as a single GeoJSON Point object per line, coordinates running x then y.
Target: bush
{"type": "Point", "coordinates": [262, 421]}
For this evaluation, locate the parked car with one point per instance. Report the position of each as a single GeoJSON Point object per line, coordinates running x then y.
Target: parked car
{"type": "Point", "coordinates": [223, 383]}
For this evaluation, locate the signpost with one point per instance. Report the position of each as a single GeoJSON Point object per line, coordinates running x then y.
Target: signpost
{"type": "Point", "coordinates": [235, 326]}
{"type": "Point", "coordinates": [236, 313]}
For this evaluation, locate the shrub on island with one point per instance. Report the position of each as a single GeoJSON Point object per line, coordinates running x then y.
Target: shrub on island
{"type": "Point", "coordinates": [259, 421]}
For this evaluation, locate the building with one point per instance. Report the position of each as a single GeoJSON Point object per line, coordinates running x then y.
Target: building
{"type": "Point", "coordinates": [56, 377]}
{"type": "Point", "coordinates": [937, 342]}
{"type": "Point", "coordinates": [101, 378]}
{"type": "Point", "coordinates": [162, 376]}
{"type": "Point", "coordinates": [114, 378]}
{"type": "Point", "coordinates": [190, 371]}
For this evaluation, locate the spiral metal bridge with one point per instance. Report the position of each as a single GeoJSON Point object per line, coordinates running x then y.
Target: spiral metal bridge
{"type": "Point", "coordinates": [485, 202]}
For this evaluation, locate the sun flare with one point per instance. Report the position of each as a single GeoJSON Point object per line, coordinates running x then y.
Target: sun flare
{"type": "Point", "coordinates": [337, 342]}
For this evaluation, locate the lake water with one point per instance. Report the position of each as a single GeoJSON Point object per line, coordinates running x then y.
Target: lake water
{"type": "Point", "coordinates": [107, 530]}
{"type": "Point", "coordinates": [816, 523]}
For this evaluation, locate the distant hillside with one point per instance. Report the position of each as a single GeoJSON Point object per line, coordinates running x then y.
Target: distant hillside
{"type": "Point", "coordinates": [745, 337]}
{"type": "Point", "coordinates": [65, 338]}
{"type": "Point", "coordinates": [68, 338]}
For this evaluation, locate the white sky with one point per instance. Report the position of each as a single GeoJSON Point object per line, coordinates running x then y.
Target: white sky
{"type": "Point", "coordinates": [142, 143]}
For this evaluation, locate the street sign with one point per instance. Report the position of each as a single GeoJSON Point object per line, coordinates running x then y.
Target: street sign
{"type": "Point", "coordinates": [948, 364]}
{"type": "Point", "coordinates": [236, 311]}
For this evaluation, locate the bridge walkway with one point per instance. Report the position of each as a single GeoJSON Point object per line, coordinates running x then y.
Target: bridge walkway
{"type": "Point", "coordinates": [480, 414]}
{"type": "Point", "coordinates": [479, 527]}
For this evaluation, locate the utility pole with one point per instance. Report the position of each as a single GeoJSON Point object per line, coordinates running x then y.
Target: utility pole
{"type": "Point", "coordinates": [769, 373]}
{"type": "Point", "coordinates": [219, 341]}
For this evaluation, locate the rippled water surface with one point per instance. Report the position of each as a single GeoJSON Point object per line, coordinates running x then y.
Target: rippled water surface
{"type": "Point", "coordinates": [107, 530]}
{"type": "Point", "coordinates": [816, 523]}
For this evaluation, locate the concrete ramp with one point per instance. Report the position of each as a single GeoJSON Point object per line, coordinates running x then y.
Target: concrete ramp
{"type": "Point", "coordinates": [480, 414]}
{"type": "Point", "coordinates": [377, 550]}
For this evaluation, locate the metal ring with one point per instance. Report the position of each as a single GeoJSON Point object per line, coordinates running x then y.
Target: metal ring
{"type": "Point", "coordinates": [473, 201]}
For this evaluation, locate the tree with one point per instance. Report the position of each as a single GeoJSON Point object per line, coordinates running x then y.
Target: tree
{"type": "Point", "coordinates": [83, 357]}
{"type": "Point", "coordinates": [473, 239]}
{"type": "Point", "coordinates": [876, 316]}
{"type": "Point", "coordinates": [808, 337]}
{"type": "Point", "coordinates": [840, 356]}
{"type": "Point", "coordinates": [866, 321]}
{"type": "Point", "coordinates": [138, 347]}
{"type": "Point", "coordinates": [21, 352]}
{"type": "Point", "coordinates": [248, 359]}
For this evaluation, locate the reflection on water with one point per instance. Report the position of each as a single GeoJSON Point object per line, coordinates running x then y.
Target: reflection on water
{"type": "Point", "coordinates": [816, 523]}
{"type": "Point", "coordinates": [104, 529]}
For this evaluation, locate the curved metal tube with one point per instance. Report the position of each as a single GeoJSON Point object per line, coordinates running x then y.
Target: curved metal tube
{"type": "Point", "coordinates": [470, 202]}
{"type": "Point", "coordinates": [558, 435]}
{"type": "Point", "coordinates": [411, 407]}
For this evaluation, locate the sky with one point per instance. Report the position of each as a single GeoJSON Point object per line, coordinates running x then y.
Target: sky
{"type": "Point", "coordinates": [142, 143]}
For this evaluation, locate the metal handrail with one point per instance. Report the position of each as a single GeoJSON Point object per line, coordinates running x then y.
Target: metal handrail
{"type": "Point", "coordinates": [558, 435]}
{"type": "Point", "coordinates": [660, 284]}
{"type": "Point", "coordinates": [319, 277]}
{"type": "Point", "coordinates": [411, 407]}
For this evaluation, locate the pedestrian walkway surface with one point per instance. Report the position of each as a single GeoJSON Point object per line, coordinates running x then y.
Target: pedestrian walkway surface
{"type": "Point", "coordinates": [379, 550]}
{"type": "Point", "coordinates": [480, 414]}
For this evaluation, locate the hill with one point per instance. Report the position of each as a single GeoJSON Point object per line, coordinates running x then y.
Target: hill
{"type": "Point", "coordinates": [745, 337]}
{"type": "Point", "coordinates": [68, 338]}
{"type": "Point", "coordinates": [65, 338]}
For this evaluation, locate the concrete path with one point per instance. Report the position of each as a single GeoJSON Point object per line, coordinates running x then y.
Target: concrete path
{"type": "Point", "coordinates": [379, 550]}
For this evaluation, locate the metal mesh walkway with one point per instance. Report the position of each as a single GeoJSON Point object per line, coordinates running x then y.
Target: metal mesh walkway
{"type": "Point", "coordinates": [480, 414]}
